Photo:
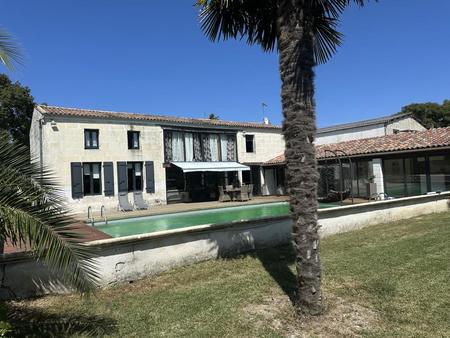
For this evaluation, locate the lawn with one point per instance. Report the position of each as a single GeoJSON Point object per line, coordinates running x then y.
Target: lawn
{"type": "Point", "coordinates": [385, 280]}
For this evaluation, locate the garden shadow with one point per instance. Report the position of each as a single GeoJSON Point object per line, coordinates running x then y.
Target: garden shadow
{"type": "Point", "coordinates": [28, 322]}
{"type": "Point", "coordinates": [276, 261]}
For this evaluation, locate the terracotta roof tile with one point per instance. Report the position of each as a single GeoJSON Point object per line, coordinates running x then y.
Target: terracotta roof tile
{"type": "Point", "coordinates": [276, 160]}
{"type": "Point", "coordinates": [431, 138]}
{"type": "Point", "coordinates": [102, 114]}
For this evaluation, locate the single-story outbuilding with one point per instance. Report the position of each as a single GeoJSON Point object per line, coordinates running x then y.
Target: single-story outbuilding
{"type": "Point", "coordinates": [401, 164]}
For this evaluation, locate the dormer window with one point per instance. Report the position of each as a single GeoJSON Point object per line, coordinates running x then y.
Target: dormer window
{"type": "Point", "coordinates": [91, 139]}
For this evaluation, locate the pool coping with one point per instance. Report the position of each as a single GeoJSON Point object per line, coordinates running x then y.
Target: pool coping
{"type": "Point", "coordinates": [326, 213]}
{"type": "Point", "coordinates": [124, 214]}
{"type": "Point", "coordinates": [187, 211]}
{"type": "Point", "coordinates": [186, 230]}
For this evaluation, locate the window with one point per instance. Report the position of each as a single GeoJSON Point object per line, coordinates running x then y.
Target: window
{"type": "Point", "coordinates": [250, 143]}
{"type": "Point", "coordinates": [91, 139]}
{"type": "Point", "coordinates": [440, 173]}
{"type": "Point", "coordinates": [394, 177]}
{"type": "Point", "coordinates": [91, 179]}
{"type": "Point", "coordinates": [189, 147]}
{"type": "Point", "coordinates": [133, 139]}
{"type": "Point", "coordinates": [134, 173]}
{"type": "Point", "coordinates": [415, 176]}
{"type": "Point", "coordinates": [214, 147]}
{"type": "Point", "coordinates": [405, 176]}
{"type": "Point", "coordinates": [193, 146]}
{"type": "Point", "coordinates": [177, 146]}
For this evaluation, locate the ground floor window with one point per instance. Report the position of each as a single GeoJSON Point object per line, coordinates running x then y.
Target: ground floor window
{"type": "Point", "coordinates": [394, 177]}
{"type": "Point", "coordinates": [415, 176]}
{"type": "Point", "coordinates": [412, 176]}
{"type": "Point", "coordinates": [440, 173]}
{"type": "Point", "coordinates": [343, 176]}
{"type": "Point", "coordinates": [91, 178]}
{"type": "Point", "coordinates": [362, 177]}
{"type": "Point", "coordinates": [405, 176]}
{"type": "Point", "coordinates": [134, 173]}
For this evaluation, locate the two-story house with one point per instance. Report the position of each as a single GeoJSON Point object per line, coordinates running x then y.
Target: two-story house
{"type": "Point", "coordinates": [98, 154]}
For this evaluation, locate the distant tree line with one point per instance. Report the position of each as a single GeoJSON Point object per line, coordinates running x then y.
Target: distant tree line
{"type": "Point", "coordinates": [430, 114]}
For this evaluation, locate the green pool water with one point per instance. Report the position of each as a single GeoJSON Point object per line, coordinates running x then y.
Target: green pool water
{"type": "Point", "coordinates": [142, 225]}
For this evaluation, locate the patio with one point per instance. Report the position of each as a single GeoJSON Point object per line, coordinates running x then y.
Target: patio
{"type": "Point", "coordinates": [179, 207]}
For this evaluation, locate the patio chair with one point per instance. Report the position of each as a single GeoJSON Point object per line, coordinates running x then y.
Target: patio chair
{"type": "Point", "coordinates": [223, 197]}
{"type": "Point", "coordinates": [139, 202]}
{"type": "Point", "coordinates": [250, 191]}
{"type": "Point", "coordinates": [242, 195]}
{"type": "Point", "coordinates": [124, 203]}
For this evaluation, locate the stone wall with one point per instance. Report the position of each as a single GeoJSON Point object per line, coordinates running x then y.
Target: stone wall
{"type": "Point", "coordinates": [268, 144]}
{"type": "Point", "coordinates": [63, 143]}
{"type": "Point", "coordinates": [374, 130]}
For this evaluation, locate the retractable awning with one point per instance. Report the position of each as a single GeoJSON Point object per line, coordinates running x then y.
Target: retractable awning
{"type": "Point", "coordinates": [190, 167]}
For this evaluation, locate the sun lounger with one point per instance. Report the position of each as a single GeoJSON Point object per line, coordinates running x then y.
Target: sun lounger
{"type": "Point", "coordinates": [124, 203]}
{"type": "Point", "coordinates": [139, 202]}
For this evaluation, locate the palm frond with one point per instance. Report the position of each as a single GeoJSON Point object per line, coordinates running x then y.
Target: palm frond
{"type": "Point", "coordinates": [256, 20]}
{"type": "Point", "coordinates": [33, 213]}
{"type": "Point", "coordinates": [251, 19]}
{"type": "Point", "coordinates": [10, 51]}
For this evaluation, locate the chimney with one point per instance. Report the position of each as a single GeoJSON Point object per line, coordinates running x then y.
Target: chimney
{"type": "Point", "coordinates": [266, 120]}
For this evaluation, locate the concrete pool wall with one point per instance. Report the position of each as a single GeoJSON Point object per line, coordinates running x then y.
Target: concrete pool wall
{"type": "Point", "coordinates": [129, 258]}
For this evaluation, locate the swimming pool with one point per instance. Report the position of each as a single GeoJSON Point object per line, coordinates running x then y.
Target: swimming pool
{"type": "Point", "coordinates": [148, 224]}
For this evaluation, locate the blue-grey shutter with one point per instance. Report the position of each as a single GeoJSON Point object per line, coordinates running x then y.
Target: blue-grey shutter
{"type": "Point", "coordinates": [76, 174]}
{"type": "Point", "coordinates": [122, 176]}
{"type": "Point", "coordinates": [108, 173]}
{"type": "Point", "coordinates": [150, 176]}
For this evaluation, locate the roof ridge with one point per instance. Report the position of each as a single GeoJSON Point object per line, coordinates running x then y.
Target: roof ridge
{"type": "Point", "coordinates": [374, 120]}
{"type": "Point", "coordinates": [44, 109]}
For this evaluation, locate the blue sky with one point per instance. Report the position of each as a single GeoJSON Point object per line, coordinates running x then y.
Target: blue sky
{"type": "Point", "coordinates": [150, 56]}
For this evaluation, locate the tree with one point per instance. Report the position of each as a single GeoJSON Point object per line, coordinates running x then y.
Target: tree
{"type": "Point", "coordinates": [16, 103]}
{"type": "Point", "coordinates": [33, 214]}
{"type": "Point", "coordinates": [213, 116]}
{"type": "Point", "coordinates": [304, 33]}
{"type": "Point", "coordinates": [430, 114]}
{"type": "Point", "coordinates": [16, 109]}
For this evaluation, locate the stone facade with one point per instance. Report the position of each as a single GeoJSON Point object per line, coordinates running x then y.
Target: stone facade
{"type": "Point", "coordinates": [60, 140]}
{"type": "Point", "coordinates": [267, 145]}
{"type": "Point", "coordinates": [57, 141]}
{"type": "Point", "coordinates": [63, 143]}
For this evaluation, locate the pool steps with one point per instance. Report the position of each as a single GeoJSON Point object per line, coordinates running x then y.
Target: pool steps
{"type": "Point", "coordinates": [103, 214]}
{"type": "Point", "coordinates": [90, 215]}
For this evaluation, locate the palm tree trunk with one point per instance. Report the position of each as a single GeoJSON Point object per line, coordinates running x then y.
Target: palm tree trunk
{"type": "Point", "coordinates": [296, 59]}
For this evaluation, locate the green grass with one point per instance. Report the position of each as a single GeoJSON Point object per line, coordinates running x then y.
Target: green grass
{"type": "Point", "coordinates": [400, 271]}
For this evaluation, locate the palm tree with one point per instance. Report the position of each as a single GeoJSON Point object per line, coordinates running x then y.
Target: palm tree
{"type": "Point", "coordinates": [304, 33]}
{"type": "Point", "coordinates": [32, 214]}
{"type": "Point", "coordinates": [10, 51]}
